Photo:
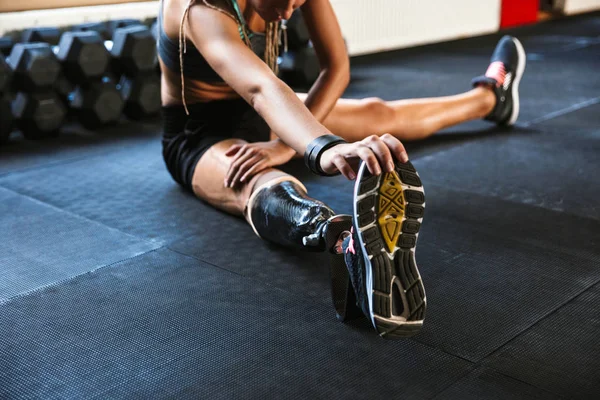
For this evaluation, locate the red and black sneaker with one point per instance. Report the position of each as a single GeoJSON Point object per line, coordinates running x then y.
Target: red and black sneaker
{"type": "Point", "coordinates": [503, 76]}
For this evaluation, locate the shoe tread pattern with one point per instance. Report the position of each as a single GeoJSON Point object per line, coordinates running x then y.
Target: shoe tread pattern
{"type": "Point", "coordinates": [396, 204]}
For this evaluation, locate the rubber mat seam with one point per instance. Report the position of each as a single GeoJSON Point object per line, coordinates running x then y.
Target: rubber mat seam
{"type": "Point", "coordinates": [70, 278]}
{"type": "Point", "coordinates": [241, 275]}
{"type": "Point", "coordinates": [560, 113]}
{"type": "Point", "coordinates": [542, 318]}
{"type": "Point", "coordinates": [159, 243]}
{"type": "Point", "coordinates": [471, 368]}
{"type": "Point", "coordinates": [587, 255]}
{"type": "Point", "coordinates": [522, 381]}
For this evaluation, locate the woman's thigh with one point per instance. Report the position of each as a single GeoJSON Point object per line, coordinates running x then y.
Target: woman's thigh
{"type": "Point", "coordinates": [209, 176]}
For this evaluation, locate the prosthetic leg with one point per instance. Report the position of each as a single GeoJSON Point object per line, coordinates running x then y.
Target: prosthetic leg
{"type": "Point", "coordinates": [281, 212]}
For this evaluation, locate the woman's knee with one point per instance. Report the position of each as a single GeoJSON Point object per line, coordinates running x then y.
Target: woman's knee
{"type": "Point", "coordinates": [377, 106]}
{"type": "Point", "coordinates": [380, 111]}
{"type": "Point", "coordinates": [208, 182]}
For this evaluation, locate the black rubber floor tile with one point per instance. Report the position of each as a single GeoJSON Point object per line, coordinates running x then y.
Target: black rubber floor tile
{"type": "Point", "coordinates": [485, 383]}
{"type": "Point", "coordinates": [73, 144]}
{"type": "Point", "coordinates": [485, 284]}
{"type": "Point", "coordinates": [560, 353]}
{"type": "Point", "coordinates": [530, 225]}
{"type": "Point", "coordinates": [41, 245]}
{"type": "Point", "coordinates": [234, 247]}
{"type": "Point", "coordinates": [129, 190]}
{"type": "Point", "coordinates": [164, 325]}
{"type": "Point", "coordinates": [575, 124]}
{"type": "Point", "coordinates": [527, 169]}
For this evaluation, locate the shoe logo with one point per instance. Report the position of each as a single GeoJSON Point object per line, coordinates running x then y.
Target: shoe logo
{"type": "Point", "coordinates": [507, 81]}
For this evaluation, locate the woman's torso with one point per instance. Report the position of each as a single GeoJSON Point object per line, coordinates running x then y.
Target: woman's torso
{"type": "Point", "coordinates": [202, 84]}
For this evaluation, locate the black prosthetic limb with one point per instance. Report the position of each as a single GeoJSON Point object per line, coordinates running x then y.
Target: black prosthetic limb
{"type": "Point", "coordinates": [283, 213]}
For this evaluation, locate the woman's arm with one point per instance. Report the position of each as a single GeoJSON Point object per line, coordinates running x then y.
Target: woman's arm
{"type": "Point", "coordinates": [326, 36]}
{"type": "Point", "coordinates": [216, 36]}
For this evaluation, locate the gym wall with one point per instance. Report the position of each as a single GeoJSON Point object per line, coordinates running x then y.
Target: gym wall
{"type": "Point", "coordinates": [369, 26]}
{"type": "Point", "coordinates": [9, 6]}
{"type": "Point", "coordinates": [394, 24]}
{"type": "Point", "coordinates": [570, 7]}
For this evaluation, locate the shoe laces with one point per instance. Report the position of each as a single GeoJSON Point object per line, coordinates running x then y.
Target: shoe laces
{"type": "Point", "coordinates": [497, 71]}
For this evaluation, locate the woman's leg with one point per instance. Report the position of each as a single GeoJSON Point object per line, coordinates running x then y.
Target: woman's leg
{"type": "Point", "coordinates": [274, 203]}
{"type": "Point", "coordinates": [412, 119]}
{"type": "Point", "coordinates": [210, 173]}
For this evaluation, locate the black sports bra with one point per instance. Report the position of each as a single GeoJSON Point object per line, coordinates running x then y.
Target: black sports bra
{"type": "Point", "coordinates": [195, 65]}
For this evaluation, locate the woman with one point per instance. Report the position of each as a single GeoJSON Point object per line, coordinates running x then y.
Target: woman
{"type": "Point", "coordinates": [229, 121]}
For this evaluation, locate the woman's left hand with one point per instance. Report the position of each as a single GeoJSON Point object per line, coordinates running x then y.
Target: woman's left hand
{"type": "Point", "coordinates": [251, 158]}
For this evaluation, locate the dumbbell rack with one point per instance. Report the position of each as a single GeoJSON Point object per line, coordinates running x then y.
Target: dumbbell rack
{"type": "Point", "coordinates": [78, 69]}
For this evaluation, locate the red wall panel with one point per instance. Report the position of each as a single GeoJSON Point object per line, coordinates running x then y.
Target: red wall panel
{"type": "Point", "coordinates": [518, 12]}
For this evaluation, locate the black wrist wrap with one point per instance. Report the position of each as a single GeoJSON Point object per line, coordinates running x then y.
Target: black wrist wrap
{"type": "Point", "coordinates": [316, 148]}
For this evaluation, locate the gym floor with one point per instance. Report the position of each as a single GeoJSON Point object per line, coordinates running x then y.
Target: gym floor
{"type": "Point", "coordinates": [115, 283]}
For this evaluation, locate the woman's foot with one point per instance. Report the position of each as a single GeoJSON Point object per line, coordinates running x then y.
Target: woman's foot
{"type": "Point", "coordinates": [503, 77]}
{"type": "Point", "coordinates": [380, 254]}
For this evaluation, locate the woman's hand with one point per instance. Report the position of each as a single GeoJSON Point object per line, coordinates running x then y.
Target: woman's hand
{"type": "Point", "coordinates": [251, 158]}
{"type": "Point", "coordinates": [377, 152]}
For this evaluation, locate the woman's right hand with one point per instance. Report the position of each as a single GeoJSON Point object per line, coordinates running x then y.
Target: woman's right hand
{"type": "Point", "coordinates": [377, 152]}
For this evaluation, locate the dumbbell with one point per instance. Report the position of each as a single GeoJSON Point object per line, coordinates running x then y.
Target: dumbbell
{"type": "Point", "coordinates": [105, 29]}
{"type": "Point", "coordinates": [133, 49]}
{"type": "Point", "coordinates": [37, 109]}
{"type": "Point", "coordinates": [6, 45]}
{"type": "Point", "coordinates": [50, 35]}
{"type": "Point", "coordinates": [99, 27]}
{"type": "Point", "coordinates": [84, 61]}
{"type": "Point", "coordinates": [141, 95]}
{"type": "Point", "coordinates": [6, 120]}
{"type": "Point", "coordinates": [300, 67]}
{"type": "Point", "coordinates": [94, 100]}
{"type": "Point", "coordinates": [115, 24]}
{"type": "Point", "coordinates": [133, 52]}
{"type": "Point", "coordinates": [297, 32]}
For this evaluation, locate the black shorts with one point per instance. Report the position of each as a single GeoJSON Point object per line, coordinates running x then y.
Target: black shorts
{"type": "Point", "coordinates": [186, 138]}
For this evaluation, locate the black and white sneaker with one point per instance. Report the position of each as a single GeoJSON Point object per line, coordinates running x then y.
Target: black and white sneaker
{"type": "Point", "coordinates": [380, 254]}
{"type": "Point", "coordinates": [503, 76]}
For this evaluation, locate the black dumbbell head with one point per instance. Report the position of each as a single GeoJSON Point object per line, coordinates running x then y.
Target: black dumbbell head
{"type": "Point", "coordinates": [6, 120]}
{"type": "Point", "coordinates": [97, 105]}
{"type": "Point", "coordinates": [6, 45]}
{"type": "Point", "coordinates": [142, 96]}
{"type": "Point", "coordinates": [154, 30]}
{"type": "Point", "coordinates": [115, 24]}
{"type": "Point", "coordinates": [34, 65]}
{"type": "Point", "coordinates": [5, 76]}
{"type": "Point", "coordinates": [134, 50]}
{"type": "Point", "coordinates": [48, 35]}
{"type": "Point", "coordinates": [98, 27]}
{"type": "Point", "coordinates": [83, 56]}
{"type": "Point", "coordinates": [38, 115]}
